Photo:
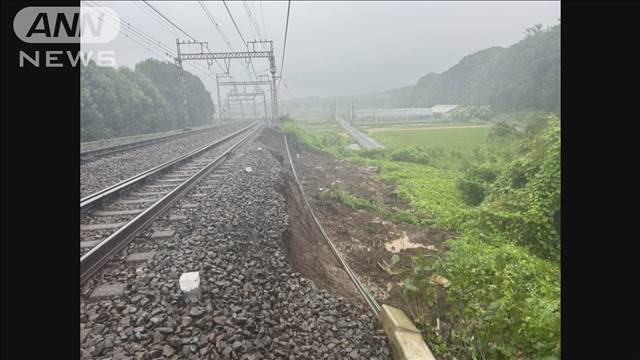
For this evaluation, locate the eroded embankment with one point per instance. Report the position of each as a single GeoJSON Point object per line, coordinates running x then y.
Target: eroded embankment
{"type": "Point", "coordinates": [364, 237]}
{"type": "Point", "coordinates": [307, 251]}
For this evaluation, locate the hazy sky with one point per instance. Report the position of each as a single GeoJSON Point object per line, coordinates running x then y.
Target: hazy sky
{"type": "Point", "coordinates": [338, 48]}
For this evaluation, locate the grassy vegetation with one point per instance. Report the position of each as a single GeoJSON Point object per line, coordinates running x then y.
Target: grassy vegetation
{"type": "Point", "coordinates": [319, 125]}
{"type": "Point", "coordinates": [501, 199]}
{"type": "Point", "coordinates": [461, 137]}
{"type": "Point", "coordinates": [340, 194]}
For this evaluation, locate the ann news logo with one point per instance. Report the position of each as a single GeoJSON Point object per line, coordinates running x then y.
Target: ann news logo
{"type": "Point", "coordinates": [65, 25]}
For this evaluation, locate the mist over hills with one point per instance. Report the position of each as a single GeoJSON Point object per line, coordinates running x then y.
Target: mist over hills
{"type": "Point", "coordinates": [523, 76]}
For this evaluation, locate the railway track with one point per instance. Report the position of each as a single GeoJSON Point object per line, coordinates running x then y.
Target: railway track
{"type": "Point", "coordinates": [94, 154]}
{"type": "Point", "coordinates": [112, 217]}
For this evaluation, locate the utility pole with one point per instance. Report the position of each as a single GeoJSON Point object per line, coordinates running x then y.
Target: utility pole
{"type": "Point", "coordinates": [255, 113]}
{"type": "Point", "coordinates": [218, 92]}
{"type": "Point", "coordinates": [352, 114]}
{"type": "Point", "coordinates": [178, 59]}
{"type": "Point", "coordinates": [274, 90]}
{"type": "Point", "coordinates": [264, 101]}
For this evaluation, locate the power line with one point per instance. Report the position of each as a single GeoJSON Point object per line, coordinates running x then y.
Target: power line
{"type": "Point", "coordinates": [239, 33]}
{"type": "Point", "coordinates": [252, 20]}
{"type": "Point", "coordinates": [213, 21]}
{"type": "Point", "coordinates": [289, 91]}
{"type": "Point", "coordinates": [179, 28]}
{"type": "Point", "coordinates": [264, 27]}
{"type": "Point", "coordinates": [234, 24]}
{"type": "Point", "coordinates": [131, 31]}
{"type": "Point", "coordinates": [171, 22]}
{"type": "Point", "coordinates": [129, 35]}
{"type": "Point", "coordinates": [284, 46]}
{"type": "Point", "coordinates": [157, 18]}
{"type": "Point", "coordinates": [222, 35]}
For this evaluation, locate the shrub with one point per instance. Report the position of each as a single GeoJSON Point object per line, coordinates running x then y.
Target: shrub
{"type": "Point", "coordinates": [411, 154]}
{"type": "Point", "coordinates": [472, 192]}
{"type": "Point", "coordinates": [505, 302]}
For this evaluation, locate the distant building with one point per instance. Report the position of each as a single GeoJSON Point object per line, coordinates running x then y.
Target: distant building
{"type": "Point", "coordinates": [391, 115]}
{"type": "Point", "coordinates": [443, 110]}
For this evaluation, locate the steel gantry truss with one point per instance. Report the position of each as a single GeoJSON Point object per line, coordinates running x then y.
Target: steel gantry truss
{"type": "Point", "coordinates": [239, 97]}
{"type": "Point", "coordinates": [226, 57]}
{"type": "Point", "coordinates": [235, 84]}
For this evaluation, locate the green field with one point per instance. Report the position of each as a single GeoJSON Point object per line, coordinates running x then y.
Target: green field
{"type": "Point", "coordinates": [461, 138]}
{"type": "Point", "coordinates": [315, 126]}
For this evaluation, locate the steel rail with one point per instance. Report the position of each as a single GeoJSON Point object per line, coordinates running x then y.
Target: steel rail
{"type": "Point", "coordinates": [90, 201]}
{"type": "Point", "coordinates": [93, 260]}
{"type": "Point", "coordinates": [370, 300]}
{"type": "Point", "coordinates": [91, 155]}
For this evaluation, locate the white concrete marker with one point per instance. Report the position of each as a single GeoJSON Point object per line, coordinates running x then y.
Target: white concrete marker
{"type": "Point", "coordinates": [248, 169]}
{"type": "Point", "coordinates": [190, 285]}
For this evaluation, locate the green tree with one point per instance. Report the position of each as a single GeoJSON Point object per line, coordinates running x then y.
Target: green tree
{"type": "Point", "coordinates": [121, 102]}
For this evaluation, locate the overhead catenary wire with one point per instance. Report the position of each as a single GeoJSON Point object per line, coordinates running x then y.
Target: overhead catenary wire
{"type": "Point", "coordinates": [264, 26]}
{"type": "Point", "coordinates": [234, 24]}
{"type": "Point", "coordinates": [177, 27]}
{"type": "Point", "coordinates": [284, 45]}
{"type": "Point", "coordinates": [168, 20]}
{"type": "Point", "coordinates": [239, 32]}
{"type": "Point", "coordinates": [288, 91]}
{"type": "Point", "coordinates": [215, 24]}
{"type": "Point", "coordinates": [132, 32]}
{"type": "Point", "coordinates": [157, 18]}
{"type": "Point", "coordinates": [222, 34]}
{"type": "Point", "coordinates": [141, 38]}
{"type": "Point", "coordinates": [161, 49]}
{"type": "Point", "coordinates": [252, 20]}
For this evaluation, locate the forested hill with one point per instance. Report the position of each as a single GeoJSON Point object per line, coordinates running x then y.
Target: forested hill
{"type": "Point", "coordinates": [123, 102]}
{"type": "Point", "coordinates": [524, 76]}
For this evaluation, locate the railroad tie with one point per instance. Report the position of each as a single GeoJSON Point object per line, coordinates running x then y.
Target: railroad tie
{"type": "Point", "coordinates": [107, 291]}
{"type": "Point", "coordinates": [162, 234]}
{"type": "Point", "coordinates": [177, 218]}
{"type": "Point", "coordinates": [138, 258]}
{"type": "Point", "coordinates": [89, 244]}
{"type": "Point", "coordinates": [92, 227]}
{"type": "Point", "coordinates": [116, 213]}
{"type": "Point", "coordinates": [138, 201]}
{"type": "Point", "coordinates": [156, 194]}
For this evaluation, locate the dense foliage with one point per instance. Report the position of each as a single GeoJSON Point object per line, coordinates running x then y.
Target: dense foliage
{"type": "Point", "coordinates": [472, 113]}
{"type": "Point", "coordinates": [501, 270]}
{"type": "Point", "coordinates": [525, 75]}
{"type": "Point", "coordinates": [122, 102]}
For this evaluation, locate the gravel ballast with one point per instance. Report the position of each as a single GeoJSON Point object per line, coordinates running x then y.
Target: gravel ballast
{"type": "Point", "coordinates": [252, 304]}
{"type": "Point", "coordinates": [104, 172]}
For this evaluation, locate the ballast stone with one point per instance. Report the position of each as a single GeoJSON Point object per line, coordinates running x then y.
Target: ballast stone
{"type": "Point", "coordinates": [190, 285]}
